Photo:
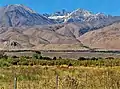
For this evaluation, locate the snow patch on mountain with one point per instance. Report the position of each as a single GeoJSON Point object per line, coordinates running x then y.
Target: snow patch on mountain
{"type": "Point", "coordinates": [57, 17]}
{"type": "Point", "coordinates": [80, 12]}
{"type": "Point", "coordinates": [79, 15]}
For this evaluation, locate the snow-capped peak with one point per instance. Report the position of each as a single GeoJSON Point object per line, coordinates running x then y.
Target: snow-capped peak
{"type": "Point", "coordinates": [78, 15]}
{"type": "Point", "coordinates": [100, 14]}
{"type": "Point", "coordinates": [81, 12]}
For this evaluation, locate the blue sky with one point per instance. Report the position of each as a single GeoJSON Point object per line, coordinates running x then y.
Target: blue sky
{"type": "Point", "coordinates": [48, 6]}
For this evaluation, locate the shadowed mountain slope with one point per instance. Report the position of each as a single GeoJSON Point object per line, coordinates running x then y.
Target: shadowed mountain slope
{"type": "Point", "coordinates": [20, 15]}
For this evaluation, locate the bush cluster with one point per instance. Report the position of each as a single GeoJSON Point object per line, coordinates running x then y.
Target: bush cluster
{"type": "Point", "coordinates": [82, 61]}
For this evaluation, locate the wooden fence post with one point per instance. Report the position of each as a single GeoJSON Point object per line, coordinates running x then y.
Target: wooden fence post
{"type": "Point", "coordinates": [57, 81]}
{"type": "Point", "coordinates": [86, 79]}
{"type": "Point", "coordinates": [15, 82]}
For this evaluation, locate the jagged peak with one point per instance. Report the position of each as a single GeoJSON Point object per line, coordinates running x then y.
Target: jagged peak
{"type": "Point", "coordinates": [81, 11]}
{"type": "Point", "coordinates": [99, 13]}
{"type": "Point", "coordinates": [102, 15]}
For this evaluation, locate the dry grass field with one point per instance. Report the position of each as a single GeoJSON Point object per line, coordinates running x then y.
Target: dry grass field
{"type": "Point", "coordinates": [45, 73]}
{"type": "Point", "coordinates": [44, 77]}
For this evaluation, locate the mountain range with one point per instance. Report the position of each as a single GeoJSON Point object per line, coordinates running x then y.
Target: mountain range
{"type": "Point", "coordinates": [22, 27]}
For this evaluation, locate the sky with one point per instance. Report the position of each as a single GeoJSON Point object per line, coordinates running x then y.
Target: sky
{"type": "Point", "coordinates": [111, 7]}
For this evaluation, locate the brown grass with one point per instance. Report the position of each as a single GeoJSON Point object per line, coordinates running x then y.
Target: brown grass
{"type": "Point", "coordinates": [44, 77]}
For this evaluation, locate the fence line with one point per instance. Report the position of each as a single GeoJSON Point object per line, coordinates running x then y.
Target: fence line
{"type": "Point", "coordinates": [87, 81]}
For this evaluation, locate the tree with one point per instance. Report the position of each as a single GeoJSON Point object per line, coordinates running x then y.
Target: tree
{"type": "Point", "coordinates": [37, 55]}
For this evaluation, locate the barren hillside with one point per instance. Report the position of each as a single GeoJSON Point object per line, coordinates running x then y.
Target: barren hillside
{"type": "Point", "coordinates": [34, 37]}
{"type": "Point", "coordinates": [106, 38]}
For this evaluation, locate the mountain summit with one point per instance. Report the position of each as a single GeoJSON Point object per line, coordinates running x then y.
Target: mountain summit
{"type": "Point", "coordinates": [19, 7]}
{"type": "Point", "coordinates": [20, 15]}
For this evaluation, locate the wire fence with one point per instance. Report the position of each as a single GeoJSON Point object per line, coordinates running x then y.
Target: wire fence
{"type": "Point", "coordinates": [87, 80]}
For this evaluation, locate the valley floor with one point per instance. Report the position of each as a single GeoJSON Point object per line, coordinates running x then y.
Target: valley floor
{"type": "Point", "coordinates": [67, 55]}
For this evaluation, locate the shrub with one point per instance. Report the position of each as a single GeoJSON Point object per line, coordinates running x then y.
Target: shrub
{"type": "Point", "coordinates": [81, 58]}
{"type": "Point", "coordinates": [23, 62]}
{"type": "Point", "coordinates": [37, 56]}
{"type": "Point", "coordinates": [14, 57]}
{"type": "Point", "coordinates": [14, 61]}
{"type": "Point", "coordinates": [54, 58]}
{"type": "Point", "coordinates": [70, 64]}
{"type": "Point", "coordinates": [109, 58]}
{"type": "Point", "coordinates": [60, 57]}
{"type": "Point", "coordinates": [93, 58]}
{"type": "Point", "coordinates": [4, 56]}
{"type": "Point", "coordinates": [38, 52]}
{"type": "Point", "coordinates": [4, 63]}
{"type": "Point", "coordinates": [46, 58]}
